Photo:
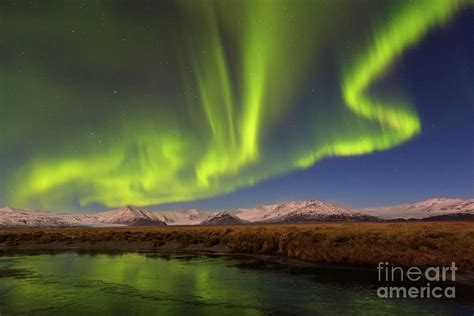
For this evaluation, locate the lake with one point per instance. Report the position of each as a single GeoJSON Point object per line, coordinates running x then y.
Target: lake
{"type": "Point", "coordinates": [152, 284]}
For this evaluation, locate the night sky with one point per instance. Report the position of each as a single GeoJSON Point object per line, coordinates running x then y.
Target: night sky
{"type": "Point", "coordinates": [224, 104]}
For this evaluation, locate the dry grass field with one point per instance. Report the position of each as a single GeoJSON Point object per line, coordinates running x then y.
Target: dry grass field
{"type": "Point", "coordinates": [404, 244]}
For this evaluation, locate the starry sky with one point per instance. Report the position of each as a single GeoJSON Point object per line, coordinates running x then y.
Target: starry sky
{"type": "Point", "coordinates": [234, 103]}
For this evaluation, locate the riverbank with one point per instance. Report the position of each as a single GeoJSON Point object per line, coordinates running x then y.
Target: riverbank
{"type": "Point", "coordinates": [403, 244]}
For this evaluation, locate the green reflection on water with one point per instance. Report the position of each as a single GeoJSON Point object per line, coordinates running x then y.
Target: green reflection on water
{"type": "Point", "coordinates": [136, 283]}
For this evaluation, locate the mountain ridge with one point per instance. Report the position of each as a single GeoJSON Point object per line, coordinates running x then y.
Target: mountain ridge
{"type": "Point", "coordinates": [223, 218]}
{"type": "Point", "coordinates": [303, 211]}
{"type": "Point", "coordinates": [422, 209]}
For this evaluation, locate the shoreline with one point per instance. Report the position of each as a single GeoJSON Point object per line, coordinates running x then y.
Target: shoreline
{"type": "Point", "coordinates": [348, 244]}
{"type": "Point", "coordinates": [462, 277]}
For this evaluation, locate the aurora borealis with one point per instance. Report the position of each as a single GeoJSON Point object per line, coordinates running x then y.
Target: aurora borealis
{"type": "Point", "coordinates": [144, 103]}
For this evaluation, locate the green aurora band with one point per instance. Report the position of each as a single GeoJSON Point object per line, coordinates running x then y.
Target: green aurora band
{"type": "Point", "coordinates": [241, 84]}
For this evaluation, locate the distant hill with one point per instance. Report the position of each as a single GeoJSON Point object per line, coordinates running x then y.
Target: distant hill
{"type": "Point", "coordinates": [423, 209]}
{"type": "Point", "coordinates": [451, 217]}
{"type": "Point", "coordinates": [223, 218]}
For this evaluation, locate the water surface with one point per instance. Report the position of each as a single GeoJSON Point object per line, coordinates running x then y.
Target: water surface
{"type": "Point", "coordinates": [152, 284]}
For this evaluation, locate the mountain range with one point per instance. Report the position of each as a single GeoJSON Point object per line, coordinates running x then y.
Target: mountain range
{"type": "Point", "coordinates": [422, 209]}
{"type": "Point", "coordinates": [288, 212]}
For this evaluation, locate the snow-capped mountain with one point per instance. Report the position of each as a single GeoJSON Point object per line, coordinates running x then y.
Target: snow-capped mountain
{"type": "Point", "coordinates": [222, 218]}
{"type": "Point", "coordinates": [126, 216]}
{"type": "Point", "coordinates": [299, 211]}
{"type": "Point", "coordinates": [187, 217]}
{"type": "Point", "coordinates": [131, 217]}
{"type": "Point", "coordinates": [77, 219]}
{"type": "Point", "coordinates": [423, 209]}
{"type": "Point", "coordinates": [13, 217]}
{"type": "Point", "coordinates": [290, 212]}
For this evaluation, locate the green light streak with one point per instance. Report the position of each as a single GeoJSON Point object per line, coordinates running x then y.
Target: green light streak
{"type": "Point", "coordinates": [399, 122]}
{"type": "Point", "coordinates": [408, 27]}
{"type": "Point", "coordinates": [244, 67]}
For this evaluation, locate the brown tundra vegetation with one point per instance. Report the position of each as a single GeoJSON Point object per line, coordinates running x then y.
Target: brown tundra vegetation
{"type": "Point", "coordinates": [399, 243]}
